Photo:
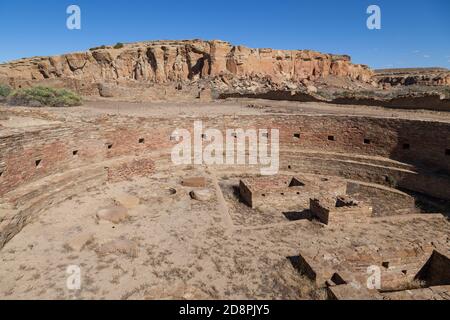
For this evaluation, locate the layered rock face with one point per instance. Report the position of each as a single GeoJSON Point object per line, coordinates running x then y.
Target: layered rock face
{"type": "Point", "coordinates": [162, 62]}
{"type": "Point", "coordinates": [413, 76]}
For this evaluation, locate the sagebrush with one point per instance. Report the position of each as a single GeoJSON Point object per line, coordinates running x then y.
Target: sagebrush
{"type": "Point", "coordinates": [44, 96]}
{"type": "Point", "coordinates": [4, 90]}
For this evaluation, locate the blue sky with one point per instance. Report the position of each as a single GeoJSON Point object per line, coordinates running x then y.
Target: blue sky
{"type": "Point", "coordinates": [414, 33]}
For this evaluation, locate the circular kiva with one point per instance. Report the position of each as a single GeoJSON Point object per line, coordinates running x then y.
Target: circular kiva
{"type": "Point", "coordinates": [55, 161]}
{"type": "Point", "coordinates": [90, 188]}
{"type": "Point", "coordinates": [42, 165]}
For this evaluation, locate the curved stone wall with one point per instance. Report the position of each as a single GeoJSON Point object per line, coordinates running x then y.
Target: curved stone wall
{"type": "Point", "coordinates": [41, 166]}
{"type": "Point", "coordinates": [422, 146]}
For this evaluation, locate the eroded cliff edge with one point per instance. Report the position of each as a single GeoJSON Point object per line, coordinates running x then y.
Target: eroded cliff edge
{"type": "Point", "coordinates": [181, 62]}
{"type": "Point", "coordinates": [189, 69]}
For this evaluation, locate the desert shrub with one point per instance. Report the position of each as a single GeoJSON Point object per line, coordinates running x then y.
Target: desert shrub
{"type": "Point", "coordinates": [97, 48]}
{"type": "Point", "coordinates": [119, 45]}
{"type": "Point", "coordinates": [4, 90]}
{"type": "Point", "coordinates": [44, 96]}
{"type": "Point", "coordinates": [345, 94]}
{"type": "Point", "coordinates": [446, 92]}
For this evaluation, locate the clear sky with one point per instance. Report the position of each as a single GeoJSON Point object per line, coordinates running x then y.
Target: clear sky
{"type": "Point", "coordinates": [414, 33]}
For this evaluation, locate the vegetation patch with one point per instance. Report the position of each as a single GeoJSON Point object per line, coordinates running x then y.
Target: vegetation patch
{"type": "Point", "coordinates": [4, 91]}
{"type": "Point", "coordinates": [118, 45]}
{"type": "Point", "coordinates": [44, 96]}
{"type": "Point", "coordinates": [98, 48]}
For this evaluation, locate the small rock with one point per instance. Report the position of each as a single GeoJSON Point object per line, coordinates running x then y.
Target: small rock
{"type": "Point", "coordinates": [120, 246]}
{"type": "Point", "coordinates": [35, 104]}
{"type": "Point", "coordinates": [128, 201]}
{"type": "Point", "coordinates": [114, 214]}
{"type": "Point", "coordinates": [292, 86]}
{"type": "Point", "coordinates": [311, 89]}
{"type": "Point", "coordinates": [201, 195]}
{"type": "Point", "coordinates": [195, 182]}
{"type": "Point", "coordinates": [77, 243]}
{"type": "Point", "coordinates": [106, 90]}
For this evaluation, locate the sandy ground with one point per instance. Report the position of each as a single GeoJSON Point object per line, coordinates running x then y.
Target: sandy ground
{"type": "Point", "coordinates": [21, 122]}
{"type": "Point", "coordinates": [186, 248]}
{"type": "Point", "coordinates": [257, 106]}
{"type": "Point", "coordinates": [232, 107]}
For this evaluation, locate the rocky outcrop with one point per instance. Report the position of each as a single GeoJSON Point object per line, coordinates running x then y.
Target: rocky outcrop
{"type": "Point", "coordinates": [413, 76]}
{"type": "Point", "coordinates": [165, 62]}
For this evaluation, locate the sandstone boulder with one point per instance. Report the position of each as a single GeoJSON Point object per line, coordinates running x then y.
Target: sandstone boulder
{"type": "Point", "coordinates": [311, 89]}
{"type": "Point", "coordinates": [127, 201]}
{"type": "Point", "coordinates": [106, 90]}
{"type": "Point", "coordinates": [201, 195]}
{"type": "Point", "coordinates": [114, 214]}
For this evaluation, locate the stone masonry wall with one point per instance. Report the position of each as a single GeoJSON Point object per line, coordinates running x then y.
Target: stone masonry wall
{"type": "Point", "coordinates": [32, 154]}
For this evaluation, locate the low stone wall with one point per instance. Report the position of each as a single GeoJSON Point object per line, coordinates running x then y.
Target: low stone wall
{"type": "Point", "coordinates": [21, 206]}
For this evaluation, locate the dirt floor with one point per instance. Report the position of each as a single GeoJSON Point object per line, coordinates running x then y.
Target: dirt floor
{"type": "Point", "coordinates": [234, 107]}
{"type": "Point", "coordinates": [184, 248]}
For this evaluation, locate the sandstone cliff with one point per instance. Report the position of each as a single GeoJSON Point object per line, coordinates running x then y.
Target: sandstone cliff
{"type": "Point", "coordinates": [413, 76]}
{"type": "Point", "coordinates": [215, 63]}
